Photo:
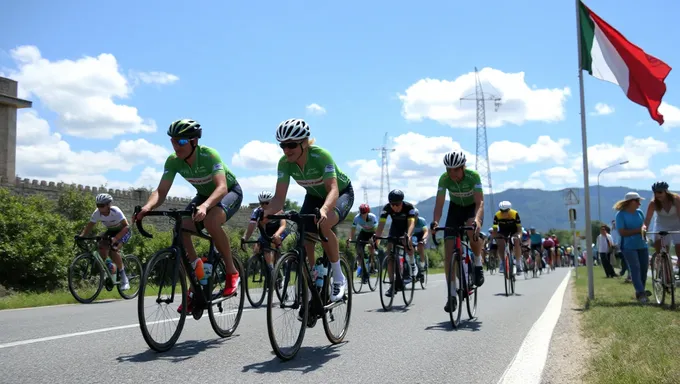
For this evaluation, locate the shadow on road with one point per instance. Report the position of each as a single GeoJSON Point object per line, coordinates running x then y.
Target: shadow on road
{"type": "Point", "coordinates": [503, 294]}
{"type": "Point", "coordinates": [395, 308]}
{"type": "Point", "coordinates": [179, 352]}
{"type": "Point", "coordinates": [308, 359]}
{"type": "Point", "coordinates": [470, 325]}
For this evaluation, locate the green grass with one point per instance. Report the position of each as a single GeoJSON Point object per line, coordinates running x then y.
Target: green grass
{"type": "Point", "coordinates": [632, 343]}
{"type": "Point", "coordinates": [31, 299]}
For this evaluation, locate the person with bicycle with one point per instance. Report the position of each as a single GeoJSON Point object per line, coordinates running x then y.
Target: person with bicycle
{"type": "Point", "coordinates": [666, 206]}
{"type": "Point", "coordinates": [507, 224]}
{"type": "Point", "coordinates": [117, 233]}
{"type": "Point", "coordinates": [328, 189]}
{"type": "Point", "coordinates": [548, 245]}
{"type": "Point", "coordinates": [491, 246]}
{"type": "Point", "coordinates": [403, 216]}
{"type": "Point", "coordinates": [466, 208]}
{"type": "Point", "coordinates": [216, 187]}
{"type": "Point", "coordinates": [367, 222]}
{"type": "Point", "coordinates": [420, 235]}
{"type": "Point", "coordinates": [536, 241]}
{"type": "Point", "coordinates": [275, 229]}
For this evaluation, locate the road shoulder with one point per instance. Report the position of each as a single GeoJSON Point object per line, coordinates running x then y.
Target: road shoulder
{"type": "Point", "coordinates": [569, 351]}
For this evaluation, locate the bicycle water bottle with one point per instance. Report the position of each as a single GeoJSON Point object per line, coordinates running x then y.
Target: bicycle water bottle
{"type": "Point", "coordinates": [320, 273]}
{"type": "Point", "coordinates": [200, 271]}
{"type": "Point", "coordinates": [112, 268]}
{"type": "Point", "coordinates": [207, 268]}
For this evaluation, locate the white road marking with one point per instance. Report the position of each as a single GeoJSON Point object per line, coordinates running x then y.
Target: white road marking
{"type": "Point", "coordinates": [527, 365]}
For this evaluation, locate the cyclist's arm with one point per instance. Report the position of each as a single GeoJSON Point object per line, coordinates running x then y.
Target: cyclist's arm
{"type": "Point", "coordinates": [479, 203]}
{"type": "Point", "coordinates": [331, 185]}
{"type": "Point", "coordinates": [249, 230]}
{"type": "Point", "coordinates": [439, 206]}
{"type": "Point", "coordinates": [283, 180]}
{"type": "Point", "coordinates": [220, 180]}
{"type": "Point", "coordinates": [426, 233]}
{"type": "Point", "coordinates": [518, 223]}
{"type": "Point", "coordinates": [351, 233]}
{"type": "Point", "coordinates": [122, 232]}
{"type": "Point", "coordinates": [158, 196]}
{"type": "Point", "coordinates": [381, 222]}
{"type": "Point", "coordinates": [650, 213]}
{"type": "Point", "coordinates": [411, 220]}
{"type": "Point", "coordinates": [282, 226]}
{"type": "Point", "coordinates": [88, 228]}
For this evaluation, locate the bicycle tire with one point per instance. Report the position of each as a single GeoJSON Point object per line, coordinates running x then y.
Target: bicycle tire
{"type": "Point", "coordinates": [383, 273]}
{"type": "Point", "coordinates": [94, 266]}
{"type": "Point", "coordinates": [302, 298]}
{"type": "Point", "coordinates": [373, 282]}
{"type": "Point", "coordinates": [453, 271]}
{"type": "Point", "coordinates": [669, 277]}
{"type": "Point", "coordinates": [335, 339]}
{"type": "Point", "coordinates": [239, 296]}
{"type": "Point", "coordinates": [169, 255]}
{"type": "Point", "coordinates": [254, 262]}
{"type": "Point", "coordinates": [353, 278]}
{"type": "Point", "coordinates": [129, 260]}
{"type": "Point", "coordinates": [407, 293]}
{"type": "Point", "coordinates": [472, 311]}
{"type": "Point", "coordinates": [506, 275]}
{"type": "Point", "coordinates": [658, 280]}
{"type": "Point", "coordinates": [423, 280]}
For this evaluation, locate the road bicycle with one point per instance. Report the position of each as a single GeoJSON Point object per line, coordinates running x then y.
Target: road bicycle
{"type": "Point", "coordinates": [663, 276]}
{"type": "Point", "coordinates": [509, 267]}
{"type": "Point", "coordinates": [257, 274]}
{"type": "Point", "coordinates": [422, 272]}
{"type": "Point", "coordinates": [462, 269]}
{"type": "Point", "coordinates": [401, 279]}
{"type": "Point", "coordinates": [88, 273]}
{"type": "Point", "coordinates": [363, 266]}
{"type": "Point", "coordinates": [298, 281]}
{"type": "Point", "coordinates": [175, 267]}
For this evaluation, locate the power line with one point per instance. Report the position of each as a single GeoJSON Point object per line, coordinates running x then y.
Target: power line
{"type": "Point", "coordinates": [384, 173]}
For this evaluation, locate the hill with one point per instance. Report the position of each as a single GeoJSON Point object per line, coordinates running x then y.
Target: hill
{"type": "Point", "coordinates": [546, 209]}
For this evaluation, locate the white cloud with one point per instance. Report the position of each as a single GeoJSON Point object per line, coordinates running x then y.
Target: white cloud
{"type": "Point", "coordinates": [672, 171]}
{"type": "Point", "coordinates": [439, 100]}
{"type": "Point", "coordinates": [502, 154]}
{"type": "Point", "coordinates": [81, 92]}
{"type": "Point", "coordinates": [532, 183]}
{"type": "Point", "coordinates": [42, 154]}
{"type": "Point", "coordinates": [315, 109]}
{"type": "Point", "coordinates": [257, 155]}
{"type": "Point", "coordinates": [153, 77]}
{"type": "Point", "coordinates": [602, 109]}
{"type": "Point", "coordinates": [671, 116]}
{"type": "Point", "coordinates": [557, 175]}
{"type": "Point", "coordinates": [253, 185]}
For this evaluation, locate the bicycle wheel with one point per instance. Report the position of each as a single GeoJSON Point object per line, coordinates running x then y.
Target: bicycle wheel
{"type": "Point", "coordinates": [506, 274]}
{"type": "Point", "coordinates": [471, 308]}
{"type": "Point", "coordinates": [356, 276]}
{"type": "Point", "coordinates": [658, 280]}
{"type": "Point", "coordinates": [295, 306]}
{"type": "Point", "coordinates": [385, 281]}
{"type": "Point", "coordinates": [409, 289]}
{"type": "Point", "coordinates": [133, 271]}
{"type": "Point", "coordinates": [85, 278]}
{"type": "Point", "coordinates": [423, 273]}
{"type": "Point", "coordinates": [335, 316]}
{"type": "Point", "coordinates": [669, 279]}
{"type": "Point", "coordinates": [512, 275]}
{"type": "Point", "coordinates": [161, 269]}
{"type": "Point", "coordinates": [225, 321]}
{"type": "Point", "coordinates": [373, 272]}
{"type": "Point", "coordinates": [456, 273]}
{"type": "Point", "coordinates": [255, 280]}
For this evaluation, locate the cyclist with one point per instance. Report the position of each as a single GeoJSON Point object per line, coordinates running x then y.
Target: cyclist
{"type": "Point", "coordinates": [276, 229]}
{"type": "Point", "coordinates": [117, 230]}
{"type": "Point", "coordinates": [367, 222]}
{"type": "Point", "coordinates": [491, 246]}
{"type": "Point", "coordinates": [420, 235]}
{"type": "Point", "coordinates": [403, 216]}
{"type": "Point", "coordinates": [328, 189]}
{"type": "Point", "coordinates": [466, 207]}
{"type": "Point", "coordinates": [507, 223]}
{"type": "Point", "coordinates": [666, 205]}
{"type": "Point", "coordinates": [536, 242]}
{"type": "Point", "coordinates": [216, 186]}
{"type": "Point", "coordinates": [558, 259]}
{"type": "Point", "coordinates": [549, 246]}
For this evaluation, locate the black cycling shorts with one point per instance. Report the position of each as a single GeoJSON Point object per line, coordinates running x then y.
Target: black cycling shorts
{"type": "Point", "coordinates": [458, 216]}
{"type": "Point", "coordinates": [230, 203]}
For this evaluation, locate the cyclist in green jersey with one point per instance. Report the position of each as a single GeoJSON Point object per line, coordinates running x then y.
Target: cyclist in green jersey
{"type": "Point", "coordinates": [216, 186]}
{"type": "Point", "coordinates": [328, 189]}
{"type": "Point", "coordinates": [466, 207]}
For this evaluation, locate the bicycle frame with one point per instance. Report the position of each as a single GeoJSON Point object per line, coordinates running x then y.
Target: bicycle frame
{"type": "Point", "coordinates": [397, 246]}
{"type": "Point", "coordinates": [81, 242]}
{"type": "Point", "coordinates": [202, 301]}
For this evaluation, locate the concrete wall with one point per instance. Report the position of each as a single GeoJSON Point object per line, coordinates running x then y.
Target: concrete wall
{"type": "Point", "coordinates": [127, 200]}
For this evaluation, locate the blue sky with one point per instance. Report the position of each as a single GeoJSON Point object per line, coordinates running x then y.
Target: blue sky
{"type": "Point", "coordinates": [241, 68]}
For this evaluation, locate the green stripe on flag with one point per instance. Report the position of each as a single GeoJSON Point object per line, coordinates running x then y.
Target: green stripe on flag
{"type": "Point", "coordinates": [587, 37]}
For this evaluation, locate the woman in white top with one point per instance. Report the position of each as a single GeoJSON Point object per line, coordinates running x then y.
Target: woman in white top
{"type": "Point", "coordinates": [666, 204]}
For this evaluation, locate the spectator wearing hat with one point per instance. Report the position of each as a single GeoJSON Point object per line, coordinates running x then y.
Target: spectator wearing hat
{"type": "Point", "coordinates": [630, 224]}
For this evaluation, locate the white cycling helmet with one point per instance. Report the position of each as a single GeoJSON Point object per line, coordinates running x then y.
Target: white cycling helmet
{"type": "Point", "coordinates": [292, 129]}
{"type": "Point", "coordinates": [415, 211]}
{"type": "Point", "coordinates": [504, 205]}
{"type": "Point", "coordinates": [103, 198]}
{"type": "Point", "coordinates": [455, 159]}
{"type": "Point", "coordinates": [265, 196]}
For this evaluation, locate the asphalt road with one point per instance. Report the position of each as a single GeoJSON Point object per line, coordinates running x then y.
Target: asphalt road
{"type": "Point", "coordinates": [415, 345]}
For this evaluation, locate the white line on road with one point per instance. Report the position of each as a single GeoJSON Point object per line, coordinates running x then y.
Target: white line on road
{"type": "Point", "coordinates": [527, 365]}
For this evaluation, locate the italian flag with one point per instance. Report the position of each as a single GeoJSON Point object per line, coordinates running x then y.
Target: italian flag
{"type": "Point", "coordinates": [608, 56]}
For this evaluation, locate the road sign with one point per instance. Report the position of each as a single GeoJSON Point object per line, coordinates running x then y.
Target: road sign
{"type": "Point", "coordinates": [570, 197]}
{"type": "Point", "coordinates": [572, 214]}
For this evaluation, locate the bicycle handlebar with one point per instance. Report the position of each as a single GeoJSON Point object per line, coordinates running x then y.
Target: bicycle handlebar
{"type": "Point", "coordinates": [462, 228]}
{"type": "Point", "coordinates": [175, 214]}
{"type": "Point", "coordinates": [663, 233]}
{"type": "Point", "coordinates": [295, 217]}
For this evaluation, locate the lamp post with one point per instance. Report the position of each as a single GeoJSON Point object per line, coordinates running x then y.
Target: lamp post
{"type": "Point", "coordinates": [599, 210]}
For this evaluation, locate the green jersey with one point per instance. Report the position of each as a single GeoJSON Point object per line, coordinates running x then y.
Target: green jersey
{"type": "Point", "coordinates": [461, 193]}
{"type": "Point", "coordinates": [318, 168]}
{"type": "Point", "coordinates": [207, 164]}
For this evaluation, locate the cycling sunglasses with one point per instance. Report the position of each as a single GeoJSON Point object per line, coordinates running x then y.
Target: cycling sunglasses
{"type": "Point", "coordinates": [289, 145]}
{"type": "Point", "coordinates": [180, 142]}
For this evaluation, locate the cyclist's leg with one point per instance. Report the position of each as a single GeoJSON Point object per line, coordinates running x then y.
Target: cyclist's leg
{"type": "Point", "coordinates": [500, 251]}
{"type": "Point", "coordinates": [476, 246]}
{"type": "Point", "coordinates": [421, 254]}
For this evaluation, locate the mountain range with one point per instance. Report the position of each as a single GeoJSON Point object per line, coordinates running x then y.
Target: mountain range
{"type": "Point", "coordinates": [545, 209]}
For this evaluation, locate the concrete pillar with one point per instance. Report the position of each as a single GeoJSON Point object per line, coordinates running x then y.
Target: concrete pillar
{"type": "Point", "coordinates": [9, 103]}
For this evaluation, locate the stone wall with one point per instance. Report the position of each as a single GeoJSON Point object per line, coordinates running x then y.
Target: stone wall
{"type": "Point", "coordinates": [127, 200]}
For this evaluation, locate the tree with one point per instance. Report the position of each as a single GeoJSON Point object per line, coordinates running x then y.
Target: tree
{"type": "Point", "coordinates": [76, 205]}
{"type": "Point", "coordinates": [291, 205]}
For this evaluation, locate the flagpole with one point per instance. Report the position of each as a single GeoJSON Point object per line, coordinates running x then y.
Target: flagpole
{"type": "Point", "coordinates": [584, 143]}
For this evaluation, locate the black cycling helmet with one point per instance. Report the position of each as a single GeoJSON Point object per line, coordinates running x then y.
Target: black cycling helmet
{"type": "Point", "coordinates": [395, 196]}
{"type": "Point", "coordinates": [660, 186]}
{"type": "Point", "coordinates": [185, 129]}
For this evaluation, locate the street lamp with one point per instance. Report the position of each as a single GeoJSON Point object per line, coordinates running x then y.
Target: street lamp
{"type": "Point", "coordinates": [599, 210]}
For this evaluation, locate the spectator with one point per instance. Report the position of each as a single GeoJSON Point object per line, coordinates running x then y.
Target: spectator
{"type": "Point", "coordinates": [630, 223]}
{"type": "Point", "coordinates": [604, 248]}
{"type": "Point", "coordinates": [665, 208]}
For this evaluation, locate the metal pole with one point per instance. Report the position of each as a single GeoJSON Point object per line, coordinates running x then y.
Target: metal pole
{"type": "Point", "coordinates": [599, 210]}
{"type": "Point", "coordinates": [573, 250]}
{"type": "Point", "coordinates": [584, 144]}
